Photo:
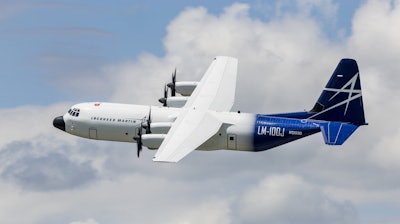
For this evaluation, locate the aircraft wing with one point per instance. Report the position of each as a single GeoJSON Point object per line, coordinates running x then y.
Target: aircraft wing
{"type": "Point", "coordinates": [216, 90]}
{"type": "Point", "coordinates": [190, 130]}
{"type": "Point", "coordinates": [196, 123]}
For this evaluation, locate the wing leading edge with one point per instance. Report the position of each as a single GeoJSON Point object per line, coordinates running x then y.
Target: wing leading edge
{"type": "Point", "coordinates": [196, 124]}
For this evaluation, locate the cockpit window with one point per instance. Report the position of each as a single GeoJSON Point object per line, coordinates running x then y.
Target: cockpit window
{"type": "Point", "coordinates": [74, 112]}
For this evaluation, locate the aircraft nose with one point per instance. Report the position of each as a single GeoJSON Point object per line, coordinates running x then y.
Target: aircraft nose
{"type": "Point", "coordinates": [59, 123]}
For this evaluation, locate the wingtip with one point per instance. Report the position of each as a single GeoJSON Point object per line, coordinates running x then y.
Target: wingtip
{"type": "Point", "coordinates": [225, 56]}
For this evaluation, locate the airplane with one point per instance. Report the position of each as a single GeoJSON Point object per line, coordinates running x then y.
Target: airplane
{"type": "Point", "coordinates": [200, 118]}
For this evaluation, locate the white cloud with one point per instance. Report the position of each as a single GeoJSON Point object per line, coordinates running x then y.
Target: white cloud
{"type": "Point", "coordinates": [33, 123]}
{"type": "Point", "coordinates": [211, 211]}
{"type": "Point", "coordinates": [89, 221]}
{"type": "Point", "coordinates": [287, 199]}
{"type": "Point", "coordinates": [326, 8]}
{"type": "Point", "coordinates": [283, 65]}
{"type": "Point", "coordinates": [374, 41]}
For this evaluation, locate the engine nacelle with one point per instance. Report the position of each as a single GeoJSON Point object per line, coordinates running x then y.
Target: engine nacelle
{"type": "Point", "coordinates": [185, 88]}
{"type": "Point", "coordinates": [160, 127]}
{"type": "Point", "coordinates": [152, 141]}
{"type": "Point", "coordinates": [176, 101]}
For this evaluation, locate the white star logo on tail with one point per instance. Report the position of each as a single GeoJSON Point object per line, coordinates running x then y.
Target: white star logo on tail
{"type": "Point", "coordinates": [351, 83]}
{"type": "Point", "coordinates": [350, 91]}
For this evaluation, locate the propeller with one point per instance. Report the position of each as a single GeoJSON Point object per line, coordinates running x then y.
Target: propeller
{"type": "Point", "coordinates": [172, 84]}
{"type": "Point", "coordinates": [147, 124]}
{"type": "Point", "coordinates": [164, 99]}
{"type": "Point", "coordinates": [138, 138]}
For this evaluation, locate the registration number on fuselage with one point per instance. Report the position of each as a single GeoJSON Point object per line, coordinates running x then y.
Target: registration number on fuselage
{"type": "Point", "coordinates": [271, 131]}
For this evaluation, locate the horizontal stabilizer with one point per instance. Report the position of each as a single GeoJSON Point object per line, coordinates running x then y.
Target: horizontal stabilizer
{"type": "Point", "coordinates": [336, 133]}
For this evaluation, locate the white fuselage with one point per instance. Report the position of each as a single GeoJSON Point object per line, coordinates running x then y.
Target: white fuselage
{"type": "Point", "coordinates": [198, 119]}
{"type": "Point", "coordinates": [121, 122]}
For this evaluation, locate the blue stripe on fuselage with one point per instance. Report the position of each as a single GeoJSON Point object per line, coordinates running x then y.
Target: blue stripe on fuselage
{"type": "Point", "coordinates": [270, 131]}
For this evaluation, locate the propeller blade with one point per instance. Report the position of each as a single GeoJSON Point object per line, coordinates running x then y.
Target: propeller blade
{"type": "Point", "coordinates": [165, 92]}
{"type": "Point", "coordinates": [148, 131]}
{"type": "Point", "coordinates": [164, 99]}
{"type": "Point", "coordinates": [172, 84]}
{"type": "Point", "coordinates": [174, 77]}
{"type": "Point", "coordinates": [139, 149]}
{"type": "Point", "coordinates": [138, 140]}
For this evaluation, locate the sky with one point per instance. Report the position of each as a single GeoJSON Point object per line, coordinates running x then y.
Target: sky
{"type": "Point", "coordinates": [58, 53]}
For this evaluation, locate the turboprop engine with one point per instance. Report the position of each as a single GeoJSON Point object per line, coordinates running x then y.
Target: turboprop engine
{"type": "Point", "coordinates": [184, 88]}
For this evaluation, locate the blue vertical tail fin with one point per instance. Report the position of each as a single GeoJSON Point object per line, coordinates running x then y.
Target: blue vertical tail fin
{"type": "Point", "coordinates": [339, 110]}
{"type": "Point", "coordinates": [341, 99]}
{"type": "Point", "coordinates": [340, 106]}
